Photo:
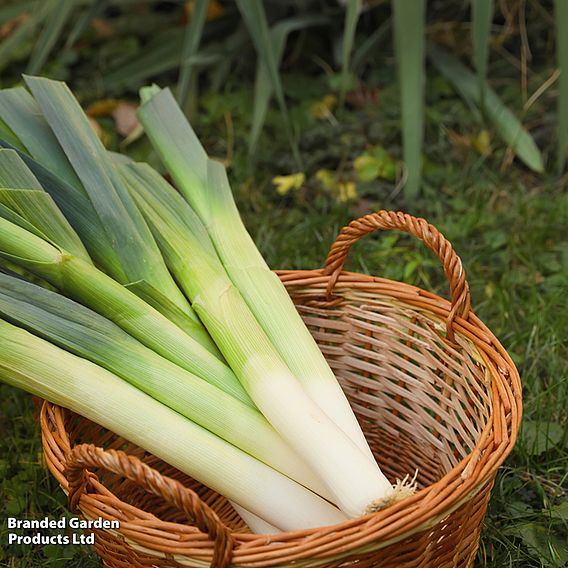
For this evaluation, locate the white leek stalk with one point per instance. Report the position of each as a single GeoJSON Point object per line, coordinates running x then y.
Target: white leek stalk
{"type": "Point", "coordinates": [254, 522]}
{"type": "Point", "coordinates": [204, 184]}
{"type": "Point", "coordinates": [40, 368]}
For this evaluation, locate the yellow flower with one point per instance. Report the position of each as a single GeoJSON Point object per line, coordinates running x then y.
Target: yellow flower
{"type": "Point", "coordinates": [322, 109]}
{"type": "Point", "coordinates": [285, 183]}
{"type": "Point", "coordinates": [346, 191]}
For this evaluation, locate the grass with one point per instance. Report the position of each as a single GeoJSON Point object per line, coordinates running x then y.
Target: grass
{"type": "Point", "coordinates": [507, 224]}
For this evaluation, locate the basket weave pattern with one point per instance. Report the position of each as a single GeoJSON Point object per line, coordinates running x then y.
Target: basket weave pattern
{"type": "Point", "coordinates": [436, 395]}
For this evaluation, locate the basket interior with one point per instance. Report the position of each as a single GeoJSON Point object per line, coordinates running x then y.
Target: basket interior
{"type": "Point", "coordinates": [422, 402]}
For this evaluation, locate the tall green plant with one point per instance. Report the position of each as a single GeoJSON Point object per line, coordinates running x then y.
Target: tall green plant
{"type": "Point", "coordinates": [352, 13]}
{"type": "Point", "coordinates": [255, 19]}
{"type": "Point", "coordinates": [409, 23]}
{"type": "Point", "coordinates": [190, 46]}
{"type": "Point", "coordinates": [263, 89]}
{"type": "Point", "coordinates": [506, 124]}
{"type": "Point", "coordinates": [482, 16]}
{"type": "Point", "coordinates": [561, 19]}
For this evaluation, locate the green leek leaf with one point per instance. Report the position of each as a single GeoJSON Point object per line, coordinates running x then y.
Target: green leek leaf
{"type": "Point", "coordinates": [133, 241]}
{"type": "Point", "coordinates": [21, 192]}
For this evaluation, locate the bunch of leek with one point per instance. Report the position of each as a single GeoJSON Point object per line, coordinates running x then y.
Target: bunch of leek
{"type": "Point", "coordinates": [161, 303]}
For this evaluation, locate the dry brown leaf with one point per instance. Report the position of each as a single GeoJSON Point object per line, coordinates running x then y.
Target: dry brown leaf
{"type": "Point", "coordinates": [12, 25]}
{"type": "Point", "coordinates": [125, 119]}
{"type": "Point", "coordinates": [102, 27]}
{"type": "Point", "coordinates": [104, 107]}
{"type": "Point", "coordinates": [214, 10]}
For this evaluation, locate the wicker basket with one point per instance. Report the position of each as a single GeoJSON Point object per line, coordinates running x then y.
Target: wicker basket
{"type": "Point", "coordinates": [434, 392]}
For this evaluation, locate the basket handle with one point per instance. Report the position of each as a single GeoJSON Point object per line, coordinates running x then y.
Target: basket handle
{"type": "Point", "coordinates": [432, 238]}
{"type": "Point", "coordinates": [83, 456]}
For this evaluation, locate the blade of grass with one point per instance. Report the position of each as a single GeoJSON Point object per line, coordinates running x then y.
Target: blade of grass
{"type": "Point", "coordinates": [263, 88]}
{"type": "Point", "coordinates": [161, 55]}
{"type": "Point", "coordinates": [370, 44]}
{"type": "Point", "coordinates": [16, 9]}
{"type": "Point", "coordinates": [561, 18]}
{"type": "Point", "coordinates": [231, 49]}
{"type": "Point", "coordinates": [352, 12]}
{"type": "Point", "coordinates": [193, 32]}
{"type": "Point", "coordinates": [409, 23]}
{"type": "Point", "coordinates": [482, 17]}
{"type": "Point", "coordinates": [58, 14]}
{"type": "Point", "coordinates": [254, 16]}
{"type": "Point", "coordinates": [83, 21]}
{"type": "Point", "coordinates": [505, 123]}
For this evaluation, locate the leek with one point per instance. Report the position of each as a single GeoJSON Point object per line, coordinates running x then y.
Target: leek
{"type": "Point", "coordinates": [45, 370]}
{"type": "Point", "coordinates": [254, 522]}
{"type": "Point", "coordinates": [355, 481]}
{"type": "Point", "coordinates": [204, 184]}
{"type": "Point", "coordinates": [181, 317]}
{"type": "Point", "coordinates": [21, 192]}
{"type": "Point", "coordinates": [56, 132]}
{"type": "Point", "coordinates": [77, 209]}
{"type": "Point", "coordinates": [83, 332]}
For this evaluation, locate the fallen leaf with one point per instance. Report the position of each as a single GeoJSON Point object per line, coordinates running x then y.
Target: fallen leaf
{"type": "Point", "coordinates": [346, 191]}
{"type": "Point", "coordinates": [363, 95]}
{"type": "Point", "coordinates": [104, 107]}
{"type": "Point", "coordinates": [12, 25]}
{"type": "Point", "coordinates": [102, 28]}
{"type": "Point", "coordinates": [125, 119]}
{"type": "Point", "coordinates": [214, 10]}
{"type": "Point", "coordinates": [375, 163]}
{"type": "Point", "coordinates": [482, 142]}
{"type": "Point", "coordinates": [323, 108]}
{"type": "Point", "coordinates": [326, 178]}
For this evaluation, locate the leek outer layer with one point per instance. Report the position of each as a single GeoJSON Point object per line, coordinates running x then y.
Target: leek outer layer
{"type": "Point", "coordinates": [87, 334]}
